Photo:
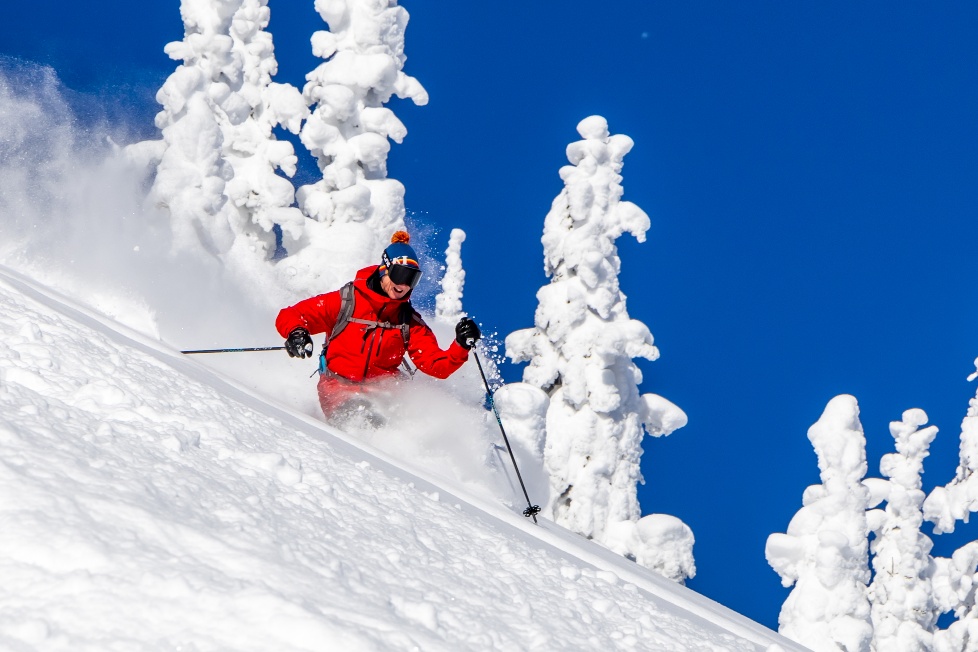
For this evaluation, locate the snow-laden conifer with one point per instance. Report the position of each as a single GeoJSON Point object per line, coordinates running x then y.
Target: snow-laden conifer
{"type": "Point", "coordinates": [448, 303]}
{"type": "Point", "coordinates": [581, 353]}
{"type": "Point", "coordinates": [349, 131]}
{"type": "Point", "coordinates": [956, 500]}
{"type": "Point", "coordinates": [521, 407]}
{"type": "Point", "coordinates": [825, 551]}
{"type": "Point", "coordinates": [261, 197]}
{"type": "Point", "coordinates": [904, 611]}
{"type": "Point", "coordinates": [956, 578]}
{"type": "Point", "coordinates": [216, 172]}
{"type": "Point", "coordinates": [449, 310]}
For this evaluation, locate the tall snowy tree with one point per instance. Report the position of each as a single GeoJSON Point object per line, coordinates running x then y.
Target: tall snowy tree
{"type": "Point", "coordinates": [217, 160]}
{"type": "Point", "coordinates": [581, 352]}
{"type": "Point", "coordinates": [904, 610]}
{"type": "Point", "coordinates": [348, 134]}
{"type": "Point", "coordinates": [825, 551]}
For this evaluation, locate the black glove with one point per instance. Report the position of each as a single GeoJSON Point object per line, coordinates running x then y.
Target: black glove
{"type": "Point", "coordinates": [467, 333]}
{"type": "Point", "coordinates": [299, 344]}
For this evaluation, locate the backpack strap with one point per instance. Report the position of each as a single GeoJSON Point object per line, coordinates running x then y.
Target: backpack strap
{"type": "Point", "coordinates": [370, 324]}
{"type": "Point", "coordinates": [347, 303]}
{"type": "Point", "coordinates": [407, 316]}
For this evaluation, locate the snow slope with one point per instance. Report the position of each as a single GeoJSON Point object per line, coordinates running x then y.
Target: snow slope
{"type": "Point", "coordinates": [149, 503]}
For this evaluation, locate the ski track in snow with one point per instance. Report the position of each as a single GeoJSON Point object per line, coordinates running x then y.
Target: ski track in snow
{"type": "Point", "coordinates": [148, 504]}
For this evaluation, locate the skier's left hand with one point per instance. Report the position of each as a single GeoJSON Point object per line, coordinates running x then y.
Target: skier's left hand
{"type": "Point", "coordinates": [467, 333]}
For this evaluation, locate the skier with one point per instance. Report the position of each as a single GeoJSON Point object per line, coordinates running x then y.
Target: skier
{"type": "Point", "coordinates": [370, 325]}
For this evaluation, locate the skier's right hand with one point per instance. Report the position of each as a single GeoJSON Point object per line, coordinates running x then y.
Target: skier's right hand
{"type": "Point", "coordinates": [299, 344]}
{"type": "Point", "coordinates": [467, 333]}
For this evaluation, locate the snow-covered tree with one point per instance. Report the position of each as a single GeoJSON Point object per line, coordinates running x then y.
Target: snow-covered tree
{"type": "Point", "coordinates": [522, 407]}
{"type": "Point", "coordinates": [216, 165]}
{"type": "Point", "coordinates": [261, 197]}
{"type": "Point", "coordinates": [448, 307]}
{"type": "Point", "coordinates": [956, 500]}
{"type": "Point", "coordinates": [904, 611]}
{"type": "Point", "coordinates": [957, 580]}
{"type": "Point", "coordinates": [218, 156]}
{"type": "Point", "coordinates": [825, 551]}
{"type": "Point", "coordinates": [348, 133]}
{"type": "Point", "coordinates": [448, 303]}
{"type": "Point", "coordinates": [581, 352]}
{"type": "Point", "coordinates": [910, 588]}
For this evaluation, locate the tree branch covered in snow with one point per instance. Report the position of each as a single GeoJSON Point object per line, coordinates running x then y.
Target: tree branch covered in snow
{"type": "Point", "coordinates": [580, 352]}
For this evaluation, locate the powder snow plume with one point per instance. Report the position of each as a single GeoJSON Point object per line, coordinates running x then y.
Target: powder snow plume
{"type": "Point", "coordinates": [72, 214]}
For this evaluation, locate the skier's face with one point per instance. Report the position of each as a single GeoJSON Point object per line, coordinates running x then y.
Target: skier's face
{"type": "Point", "coordinates": [393, 290]}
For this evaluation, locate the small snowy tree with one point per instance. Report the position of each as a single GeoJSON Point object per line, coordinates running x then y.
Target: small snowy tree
{"type": "Point", "coordinates": [448, 303]}
{"type": "Point", "coordinates": [520, 406]}
{"type": "Point", "coordinates": [348, 134]}
{"type": "Point", "coordinates": [825, 551]}
{"type": "Point", "coordinates": [944, 506]}
{"type": "Point", "coordinates": [956, 500]}
{"type": "Point", "coordinates": [580, 353]}
{"type": "Point", "coordinates": [448, 306]}
{"type": "Point", "coordinates": [904, 611]}
{"type": "Point", "coordinates": [217, 160]}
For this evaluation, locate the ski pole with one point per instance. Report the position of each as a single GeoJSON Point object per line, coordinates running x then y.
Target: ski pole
{"type": "Point", "coordinates": [257, 348]}
{"type": "Point", "coordinates": [531, 510]}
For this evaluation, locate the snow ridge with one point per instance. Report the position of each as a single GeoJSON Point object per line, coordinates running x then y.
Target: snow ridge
{"type": "Point", "coordinates": [151, 504]}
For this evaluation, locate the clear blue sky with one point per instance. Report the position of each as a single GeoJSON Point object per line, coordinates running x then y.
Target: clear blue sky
{"type": "Point", "coordinates": [810, 168]}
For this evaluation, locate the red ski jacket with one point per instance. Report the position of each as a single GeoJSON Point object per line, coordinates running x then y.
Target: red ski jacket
{"type": "Point", "coordinates": [360, 352]}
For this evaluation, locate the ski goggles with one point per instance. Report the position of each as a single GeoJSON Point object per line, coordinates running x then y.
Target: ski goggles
{"type": "Point", "coordinates": [401, 275]}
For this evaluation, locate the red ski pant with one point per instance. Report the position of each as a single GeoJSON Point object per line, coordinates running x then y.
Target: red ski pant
{"type": "Point", "coordinates": [335, 391]}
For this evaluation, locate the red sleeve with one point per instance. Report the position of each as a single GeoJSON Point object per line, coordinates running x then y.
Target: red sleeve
{"type": "Point", "coordinates": [428, 357]}
{"type": "Point", "coordinates": [316, 315]}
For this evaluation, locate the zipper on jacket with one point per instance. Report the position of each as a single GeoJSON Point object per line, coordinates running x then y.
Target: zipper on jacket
{"type": "Point", "coordinates": [370, 350]}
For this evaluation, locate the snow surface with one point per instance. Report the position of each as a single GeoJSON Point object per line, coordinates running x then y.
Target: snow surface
{"type": "Point", "coordinates": [149, 503]}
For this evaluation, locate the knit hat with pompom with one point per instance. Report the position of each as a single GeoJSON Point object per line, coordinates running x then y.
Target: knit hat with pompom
{"type": "Point", "coordinates": [401, 254]}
